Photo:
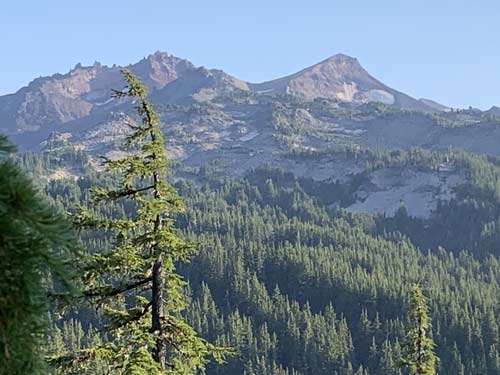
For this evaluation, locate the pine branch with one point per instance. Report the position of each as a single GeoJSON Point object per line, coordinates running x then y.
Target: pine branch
{"type": "Point", "coordinates": [106, 292]}
{"type": "Point", "coordinates": [117, 194]}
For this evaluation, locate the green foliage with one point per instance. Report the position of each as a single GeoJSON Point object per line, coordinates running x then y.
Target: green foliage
{"type": "Point", "coordinates": [419, 356]}
{"type": "Point", "coordinates": [5, 146]}
{"type": "Point", "coordinates": [134, 284]}
{"type": "Point", "coordinates": [36, 245]}
{"type": "Point", "coordinates": [297, 287]}
{"type": "Point", "coordinates": [469, 220]}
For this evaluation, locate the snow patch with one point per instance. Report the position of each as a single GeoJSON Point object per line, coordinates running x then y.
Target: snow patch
{"type": "Point", "coordinates": [381, 96]}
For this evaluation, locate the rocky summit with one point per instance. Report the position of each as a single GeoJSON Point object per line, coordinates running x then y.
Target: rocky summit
{"type": "Point", "coordinates": [62, 98]}
{"type": "Point", "coordinates": [209, 116]}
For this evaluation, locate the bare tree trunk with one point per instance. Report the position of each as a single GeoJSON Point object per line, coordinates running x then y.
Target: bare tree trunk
{"type": "Point", "coordinates": [159, 353]}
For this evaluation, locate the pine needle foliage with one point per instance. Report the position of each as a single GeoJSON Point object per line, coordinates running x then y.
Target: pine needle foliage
{"type": "Point", "coordinates": [419, 357]}
{"type": "Point", "coordinates": [36, 245]}
{"type": "Point", "coordinates": [135, 286]}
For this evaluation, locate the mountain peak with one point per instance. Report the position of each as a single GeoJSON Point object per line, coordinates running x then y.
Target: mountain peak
{"type": "Point", "coordinates": [161, 56]}
{"type": "Point", "coordinates": [61, 98]}
{"type": "Point", "coordinates": [160, 68]}
{"type": "Point", "coordinates": [339, 77]}
{"type": "Point", "coordinates": [341, 57]}
{"type": "Point", "coordinates": [159, 53]}
{"type": "Point", "coordinates": [339, 62]}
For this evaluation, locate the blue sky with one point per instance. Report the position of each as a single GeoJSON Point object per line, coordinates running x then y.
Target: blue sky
{"type": "Point", "coordinates": [444, 50]}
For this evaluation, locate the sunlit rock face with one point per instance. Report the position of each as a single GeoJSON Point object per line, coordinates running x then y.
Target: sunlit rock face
{"type": "Point", "coordinates": [48, 102]}
{"type": "Point", "coordinates": [339, 77]}
{"type": "Point", "coordinates": [61, 98]}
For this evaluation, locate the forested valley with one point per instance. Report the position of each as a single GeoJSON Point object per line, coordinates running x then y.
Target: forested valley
{"type": "Point", "coordinates": [279, 277]}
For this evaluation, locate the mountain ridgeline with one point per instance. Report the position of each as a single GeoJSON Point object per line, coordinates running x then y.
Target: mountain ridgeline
{"type": "Point", "coordinates": [63, 98]}
{"type": "Point", "coordinates": [318, 200]}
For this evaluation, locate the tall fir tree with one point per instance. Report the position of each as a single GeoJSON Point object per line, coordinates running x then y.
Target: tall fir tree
{"type": "Point", "coordinates": [37, 245]}
{"type": "Point", "coordinates": [418, 356]}
{"type": "Point", "coordinates": [135, 285]}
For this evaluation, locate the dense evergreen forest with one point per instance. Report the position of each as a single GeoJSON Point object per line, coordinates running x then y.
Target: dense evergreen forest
{"type": "Point", "coordinates": [296, 285]}
{"type": "Point", "coordinates": [178, 268]}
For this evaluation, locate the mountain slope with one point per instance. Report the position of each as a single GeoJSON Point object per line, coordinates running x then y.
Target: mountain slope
{"type": "Point", "coordinates": [48, 102]}
{"type": "Point", "coordinates": [433, 104]}
{"type": "Point", "coordinates": [200, 84]}
{"type": "Point", "coordinates": [339, 77]}
{"type": "Point", "coordinates": [61, 98]}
